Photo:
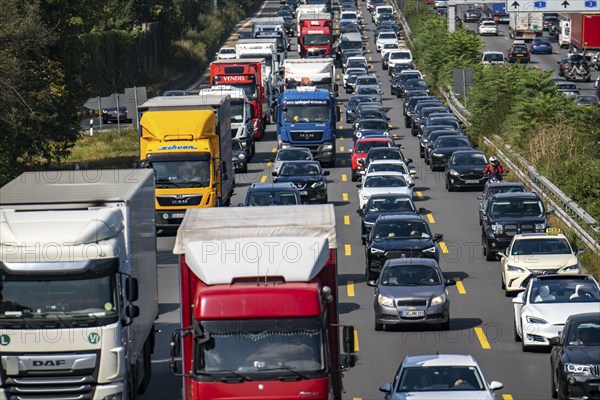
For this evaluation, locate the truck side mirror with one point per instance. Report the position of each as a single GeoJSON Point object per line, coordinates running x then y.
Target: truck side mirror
{"type": "Point", "coordinates": [131, 289]}
{"type": "Point", "coordinates": [348, 339]}
{"type": "Point", "coordinates": [132, 311]}
{"type": "Point", "coordinates": [175, 351]}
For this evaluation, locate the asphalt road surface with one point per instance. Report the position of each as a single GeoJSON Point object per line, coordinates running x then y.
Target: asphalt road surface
{"type": "Point", "coordinates": [481, 316]}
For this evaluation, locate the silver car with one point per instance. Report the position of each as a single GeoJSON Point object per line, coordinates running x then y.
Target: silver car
{"type": "Point", "coordinates": [411, 291]}
{"type": "Point", "coordinates": [291, 154]}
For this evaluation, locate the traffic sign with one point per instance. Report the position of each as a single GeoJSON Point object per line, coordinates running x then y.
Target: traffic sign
{"type": "Point", "coordinates": [564, 6]}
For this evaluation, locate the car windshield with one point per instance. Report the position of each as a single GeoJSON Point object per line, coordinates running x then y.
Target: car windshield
{"type": "Point", "coordinates": [451, 124]}
{"type": "Point", "coordinates": [348, 15]}
{"type": "Point", "coordinates": [371, 114]}
{"type": "Point", "coordinates": [416, 84]}
{"type": "Point", "coordinates": [300, 169]}
{"type": "Point", "coordinates": [390, 46]}
{"type": "Point", "coordinates": [401, 230]}
{"type": "Point", "coordinates": [387, 35]}
{"type": "Point", "coordinates": [364, 147]}
{"type": "Point", "coordinates": [452, 142]}
{"type": "Point", "coordinates": [366, 80]}
{"type": "Point", "coordinates": [469, 159]}
{"type": "Point", "coordinates": [526, 247]}
{"type": "Point", "coordinates": [440, 378]}
{"type": "Point", "coordinates": [374, 125]}
{"type": "Point", "coordinates": [357, 64]}
{"type": "Point", "coordinates": [384, 167]}
{"type": "Point", "coordinates": [410, 275]}
{"type": "Point", "coordinates": [292, 155]}
{"type": "Point", "coordinates": [494, 57]}
{"type": "Point", "coordinates": [517, 207]}
{"type": "Point", "coordinates": [403, 204]}
{"type": "Point", "coordinates": [505, 189]}
{"type": "Point", "coordinates": [367, 90]}
{"type": "Point", "coordinates": [585, 333]}
{"type": "Point", "coordinates": [236, 111]}
{"type": "Point", "coordinates": [357, 100]}
{"type": "Point", "coordinates": [564, 291]}
{"type": "Point", "coordinates": [274, 198]}
{"type": "Point", "coordinates": [400, 55]}
{"type": "Point", "coordinates": [406, 77]}
{"type": "Point", "coordinates": [384, 181]}
{"type": "Point", "coordinates": [348, 44]}
{"type": "Point", "coordinates": [304, 113]}
{"type": "Point", "coordinates": [227, 51]}
{"type": "Point", "coordinates": [316, 39]}
{"type": "Point", "coordinates": [385, 155]}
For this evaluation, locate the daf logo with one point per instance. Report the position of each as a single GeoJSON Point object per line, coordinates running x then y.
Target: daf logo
{"type": "Point", "coordinates": [48, 363]}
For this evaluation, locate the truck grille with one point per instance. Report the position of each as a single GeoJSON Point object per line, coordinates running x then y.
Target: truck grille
{"type": "Point", "coordinates": [179, 200]}
{"type": "Point", "coordinates": [306, 135]}
{"type": "Point", "coordinates": [75, 378]}
{"type": "Point", "coordinates": [513, 229]}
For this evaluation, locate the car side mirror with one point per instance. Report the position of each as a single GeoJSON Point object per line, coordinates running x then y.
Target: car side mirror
{"type": "Point", "coordinates": [579, 251]}
{"type": "Point", "coordinates": [437, 237]}
{"type": "Point", "coordinates": [502, 253]}
{"type": "Point", "coordinates": [423, 210]}
{"type": "Point", "coordinates": [360, 161]}
{"type": "Point", "coordinates": [411, 184]}
{"type": "Point", "coordinates": [409, 160]}
{"type": "Point", "coordinates": [412, 171]}
{"type": "Point", "coordinates": [372, 283]}
{"type": "Point", "coordinates": [554, 341]}
{"type": "Point", "coordinates": [364, 237]}
{"type": "Point", "coordinates": [450, 282]}
{"type": "Point", "coordinates": [495, 385]}
{"type": "Point", "coordinates": [240, 204]}
{"type": "Point", "coordinates": [386, 388]}
{"type": "Point", "coordinates": [273, 173]}
{"type": "Point", "coordinates": [358, 185]}
{"type": "Point", "coordinates": [479, 197]}
{"type": "Point", "coordinates": [326, 173]}
{"type": "Point", "coordinates": [551, 210]}
{"type": "Point", "coordinates": [518, 299]}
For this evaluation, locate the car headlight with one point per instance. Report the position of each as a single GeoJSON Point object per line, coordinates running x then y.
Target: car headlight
{"type": "Point", "coordinates": [534, 320]}
{"type": "Point", "coordinates": [285, 145]}
{"type": "Point", "coordinates": [574, 269]}
{"type": "Point", "coordinates": [498, 229]}
{"type": "Point", "coordinates": [317, 185]}
{"type": "Point", "coordinates": [577, 368]}
{"type": "Point", "coordinates": [512, 268]}
{"type": "Point", "coordinates": [437, 154]}
{"type": "Point", "coordinates": [358, 134]}
{"type": "Point", "coordinates": [441, 299]}
{"type": "Point", "coordinates": [429, 250]}
{"type": "Point", "coordinates": [386, 133]}
{"type": "Point", "coordinates": [453, 172]}
{"type": "Point", "coordinates": [385, 301]}
{"type": "Point", "coordinates": [540, 227]}
{"type": "Point", "coordinates": [241, 157]}
{"type": "Point", "coordinates": [327, 146]}
{"type": "Point", "coordinates": [375, 250]}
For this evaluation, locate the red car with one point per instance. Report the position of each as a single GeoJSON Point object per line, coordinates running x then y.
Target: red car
{"type": "Point", "coordinates": [362, 147]}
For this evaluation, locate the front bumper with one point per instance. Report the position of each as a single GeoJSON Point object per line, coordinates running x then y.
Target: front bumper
{"type": "Point", "coordinates": [240, 166]}
{"type": "Point", "coordinates": [496, 243]}
{"type": "Point", "coordinates": [438, 162]}
{"type": "Point", "coordinates": [460, 182]}
{"type": "Point", "coordinates": [313, 195]}
{"type": "Point", "coordinates": [393, 315]}
{"type": "Point", "coordinates": [582, 387]}
{"type": "Point", "coordinates": [538, 334]}
{"type": "Point", "coordinates": [169, 218]}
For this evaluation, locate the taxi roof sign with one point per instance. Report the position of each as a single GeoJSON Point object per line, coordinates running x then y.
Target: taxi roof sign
{"type": "Point", "coordinates": [552, 231]}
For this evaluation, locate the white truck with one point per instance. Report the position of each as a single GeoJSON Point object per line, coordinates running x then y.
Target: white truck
{"type": "Point", "coordinates": [319, 72]}
{"type": "Point", "coordinates": [265, 49]}
{"type": "Point", "coordinates": [78, 291]}
{"type": "Point", "coordinates": [525, 25]}
{"type": "Point", "coordinates": [272, 27]}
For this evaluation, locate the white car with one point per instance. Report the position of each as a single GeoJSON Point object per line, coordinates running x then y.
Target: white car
{"type": "Point", "coordinates": [379, 10]}
{"type": "Point", "coordinates": [291, 154]}
{"type": "Point", "coordinates": [356, 62]}
{"type": "Point", "coordinates": [402, 56]}
{"type": "Point", "coordinates": [441, 377]}
{"type": "Point", "coordinates": [226, 53]}
{"type": "Point", "coordinates": [387, 47]}
{"type": "Point", "coordinates": [492, 58]}
{"type": "Point", "coordinates": [548, 300]}
{"type": "Point", "coordinates": [488, 28]}
{"type": "Point", "coordinates": [536, 253]}
{"type": "Point", "coordinates": [385, 38]}
{"type": "Point", "coordinates": [440, 3]}
{"type": "Point", "coordinates": [351, 71]}
{"type": "Point", "coordinates": [383, 182]}
{"type": "Point", "coordinates": [389, 166]}
{"type": "Point", "coordinates": [349, 17]}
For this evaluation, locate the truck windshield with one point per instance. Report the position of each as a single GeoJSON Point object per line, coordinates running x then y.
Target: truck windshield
{"type": "Point", "coordinates": [237, 110]}
{"type": "Point", "coordinates": [303, 113]}
{"type": "Point", "coordinates": [262, 346]}
{"type": "Point", "coordinates": [182, 173]}
{"type": "Point", "coordinates": [60, 300]}
{"type": "Point", "coordinates": [316, 40]}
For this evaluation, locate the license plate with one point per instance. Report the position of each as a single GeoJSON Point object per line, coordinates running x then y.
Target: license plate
{"type": "Point", "coordinates": [520, 55]}
{"type": "Point", "coordinates": [177, 215]}
{"type": "Point", "coordinates": [303, 193]}
{"type": "Point", "coordinates": [471, 181]}
{"type": "Point", "coordinates": [412, 313]}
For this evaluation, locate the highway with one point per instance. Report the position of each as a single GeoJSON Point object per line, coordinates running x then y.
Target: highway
{"type": "Point", "coordinates": [481, 316]}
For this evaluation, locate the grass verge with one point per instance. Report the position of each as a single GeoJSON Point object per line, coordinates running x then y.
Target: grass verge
{"type": "Point", "coordinates": [107, 149]}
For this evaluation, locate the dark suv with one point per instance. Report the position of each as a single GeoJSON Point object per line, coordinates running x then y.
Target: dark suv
{"type": "Point", "coordinates": [509, 214]}
{"type": "Point", "coordinates": [272, 194]}
{"type": "Point", "coordinates": [518, 53]}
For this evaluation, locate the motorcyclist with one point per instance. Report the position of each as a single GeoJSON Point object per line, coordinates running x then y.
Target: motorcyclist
{"type": "Point", "coordinates": [493, 169]}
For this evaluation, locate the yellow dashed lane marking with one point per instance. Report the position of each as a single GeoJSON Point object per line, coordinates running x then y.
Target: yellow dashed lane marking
{"type": "Point", "coordinates": [430, 219]}
{"type": "Point", "coordinates": [356, 346]}
{"type": "Point", "coordinates": [337, 76]}
{"type": "Point", "coordinates": [263, 179]}
{"type": "Point", "coordinates": [347, 250]}
{"type": "Point", "coordinates": [344, 196]}
{"type": "Point", "coordinates": [269, 164]}
{"type": "Point", "coordinates": [460, 286]}
{"type": "Point", "coordinates": [342, 149]}
{"type": "Point", "coordinates": [370, 58]}
{"type": "Point", "coordinates": [482, 339]}
{"type": "Point", "coordinates": [443, 247]}
{"type": "Point", "coordinates": [273, 150]}
{"type": "Point", "coordinates": [344, 178]}
{"type": "Point", "coordinates": [507, 397]}
{"type": "Point", "coordinates": [420, 195]}
{"type": "Point", "coordinates": [350, 288]}
{"type": "Point", "coordinates": [346, 220]}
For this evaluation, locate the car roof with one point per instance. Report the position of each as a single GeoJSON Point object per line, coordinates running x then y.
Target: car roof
{"type": "Point", "coordinates": [268, 187]}
{"type": "Point", "coordinates": [529, 236]}
{"type": "Point", "coordinates": [515, 195]}
{"type": "Point", "coordinates": [372, 119]}
{"type": "Point", "coordinates": [439, 360]}
{"type": "Point", "coordinates": [385, 173]}
{"type": "Point", "coordinates": [390, 195]}
{"type": "Point", "coordinates": [497, 184]}
{"type": "Point", "coordinates": [401, 217]}
{"type": "Point", "coordinates": [374, 138]}
{"type": "Point", "coordinates": [386, 161]}
{"type": "Point", "coordinates": [468, 152]}
{"type": "Point", "coordinates": [395, 262]}
{"type": "Point", "coordinates": [584, 317]}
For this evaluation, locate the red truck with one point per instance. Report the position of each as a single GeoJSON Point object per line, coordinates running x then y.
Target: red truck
{"type": "Point", "coordinates": [246, 74]}
{"type": "Point", "coordinates": [315, 36]}
{"type": "Point", "coordinates": [259, 305]}
{"type": "Point", "coordinates": [585, 32]}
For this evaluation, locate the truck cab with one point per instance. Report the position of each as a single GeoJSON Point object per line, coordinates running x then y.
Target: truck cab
{"type": "Point", "coordinates": [315, 34]}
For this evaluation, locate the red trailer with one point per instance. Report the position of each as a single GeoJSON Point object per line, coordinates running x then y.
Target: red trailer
{"type": "Point", "coordinates": [585, 32]}
{"type": "Point", "coordinates": [259, 306]}
{"type": "Point", "coordinates": [247, 74]}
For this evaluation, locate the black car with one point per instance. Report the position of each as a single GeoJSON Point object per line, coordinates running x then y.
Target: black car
{"type": "Point", "coordinates": [385, 60]}
{"type": "Point", "coordinates": [492, 188]}
{"type": "Point", "coordinates": [465, 170]}
{"type": "Point", "coordinates": [549, 19]}
{"type": "Point", "coordinates": [575, 358]}
{"type": "Point", "coordinates": [509, 214]}
{"type": "Point", "coordinates": [518, 53]}
{"type": "Point", "coordinates": [353, 103]}
{"type": "Point", "coordinates": [414, 113]}
{"type": "Point", "coordinates": [442, 149]}
{"type": "Point", "coordinates": [386, 204]}
{"type": "Point", "coordinates": [396, 69]}
{"type": "Point", "coordinates": [387, 25]}
{"type": "Point", "coordinates": [240, 156]}
{"type": "Point", "coordinates": [398, 236]}
{"type": "Point", "coordinates": [272, 194]}
{"type": "Point", "coordinates": [472, 15]}
{"type": "Point", "coordinates": [308, 177]}
{"type": "Point", "coordinates": [349, 27]}
{"type": "Point", "coordinates": [385, 153]}
{"type": "Point", "coordinates": [441, 121]}
{"type": "Point", "coordinates": [114, 114]}
{"type": "Point", "coordinates": [575, 70]}
{"type": "Point", "coordinates": [397, 82]}
{"type": "Point", "coordinates": [415, 84]}
{"type": "Point", "coordinates": [411, 98]}
{"type": "Point", "coordinates": [417, 128]}
{"type": "Point", "coordinates": [369, 113]}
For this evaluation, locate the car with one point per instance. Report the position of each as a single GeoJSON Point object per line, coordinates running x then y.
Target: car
{"type": "Point", "coordinates": [492, 188]}
{"type": "Point", "coordinates": [465, 170]}
{"type": "Point", "coordinates": [272, 194]}
{"type": "Point", "coordinates": [350, 27]}
{"type": "Point", "coordinates": [518, 53]}
{"type": "Point", "coordinates": [440, 376]}
{"type": "Point", "coordinates": [387, 47]}
{"type": "Point", "coordinates": [309, 178]}
{"type": "Point", "coordinates": [383, 182]}
{"type": "Point", "coordinates": [367, 80]}
{"type": "Point", "coordinates": [387, 26]}
{"type": "Point", "coordinates": [397, 82]}
{"type": "Point", "coordinates": [361, 149]}
{"type": "Point", "coordinates": [371, 4]}
{"type": "Point", "coordinates": [536, 254]}
{"type": "Point", "coordinates": [509, 214]}
{"type": "Point", "coordinates": [583, 100]}
{"type": "Point", "coordinates": [541, 311]}
{"type": "Point", "coordinates": [472, 15]}
{"type": "Point", "coordinates": [398, 236]}
{"type": "Point", "coordinates": [350, 84]}
{"type": "Point", "coordinates": [576, 71]}
{"type": "Point", "coordinates": [380, 11]}
{"type": "Point", "coordinates": [290, 154]}
{"type": "Point", "coordinates": [240, 156]}
{"type": "Point", "coordinates": [386, 204]}
{"type": "Point", "coordinates": [411, 291]}
{"type": "Point", "coordinates": [347, 5]}
{"type": "Point", "coordinates": [492, 58]}
{"type": "Point", "coordinates": [417, 84]}
{"type": "Point", "coordinates": [349, 17]}
{"type": "Point", "coordinates": [402, 56]}
{"type": "Point", "coordinates": [442, 149]}
{"type": "Point", "coordinates": [549, 19]}
{"type": "Point", "coordinates": [356, 62]}
{"type": "Point", "coordinates": [369, 127]}
{"type": "Point", "coordinates": [540, 45]}
{"type": "Point", "coordinates": [367, 113]}
{"type": "Point", "coordinates": [424, 114]}
{"type": "Point", "coordinates": [440, 3]}
{"type": "Point", "coordinates": [390, 166]}
{"type": "Point", "coordinates": [487, 27]}
{"type": "Point", "coordinates": [415, 113]}
{"type": "Point", "coordinates": [114, 114]}
{"type": "Point", "coordinates": [426, 140]}
{"type": "Point", "coordinates": [175, 93]}
{"type": "Point", "coordinates": [411, 100]}
{"type": "Point", "coordinates": [226, 53]}
{"type": "Point", "coordinates": [397, 68]}
{"type": "Point", "coordinates": [385, 38]}
{"type": "Point", "coordinates": [349, 43]}
{"type": "Point", "coordinates": [370, 90]}
{"type": "Point", "coordinates": [595, 60]}
{"type": "Point", "coordinates": [554, 28]}
{"type": "Point", "coordinates": [446, 121]}
{"type": "Point", "coordinates": [575, 359]}
{"type": "Point", "coordinates": [352, 71]}
{"type": "Point", "coordinates": [567, 63]}
{"type": "Point", "coordinates": [392, 153]}
{"type": "Point", "coordinates": [353, 103]}
{"type": "Point", "coordinates": [568, 89]}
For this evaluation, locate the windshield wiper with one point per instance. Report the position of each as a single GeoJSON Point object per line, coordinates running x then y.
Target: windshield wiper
{"type": "Point", "coordinates": [164, 181]}
{"type": "Point", "coordinates": [298, 374]}
{"type": "Point", "coordinates": [237, 376]}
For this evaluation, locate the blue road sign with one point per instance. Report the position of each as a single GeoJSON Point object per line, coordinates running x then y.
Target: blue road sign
{"type": "Point", "coordinates": [539, 4]}
{"type": "Point", "coordinates": [591, 3]}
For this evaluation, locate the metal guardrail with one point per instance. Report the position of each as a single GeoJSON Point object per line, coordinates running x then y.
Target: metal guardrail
{"type": "Point", "coordinates": [566, 209]}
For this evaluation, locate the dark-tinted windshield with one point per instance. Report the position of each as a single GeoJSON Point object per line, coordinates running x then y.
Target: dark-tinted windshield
{"type": "Point", "coordinates": [410, 275]}
{"type": "Point", "coordinates": [564, 291]}
{"type": "Point", "coordinates": [452, 142]}
{"type": "Point", "coordinates": [505, 189]}
{"type": "Point", "coordinates": [387, 35]}
{"type": "Point", "coordinates": [274, 198]}
{"type": "Point", "coordinates": [392, 167]}
{"type": "Point", "coordinates": [300, 169]}
{"type": "Point", "coordinates": [364, 147]}
{"type": "Point", "coordinates": [385, 155]}
{"type": "Point", "coordinates": [237, 111]}
{"type": "Point", "coordinates": [494, 57]}
{"type": "Point", "coordinates": [451, 378]}
{"type": "Point", "coordinates": [293, 155]}
{"type": "Point", "coordinates": [584, 333]}
{"type": "Point", "coordinates": [517, 207]}
{"type": "Point", "coordinates": [373, 124]}
{"type": "Point", "coordinates": [401, 230]}
{"type": "Point", "coordinates": [469, 159]}
{"type": "Point", "coordinates": [528, 247]}
{"type": "Point", "coordinates": [366, 80]}
{"type": "Point", "coordinates": [448, 122]}
{"type": "Point", "coordinates": [347, 45]}
{"type": "Point", "coordinates": [402, 204]}
{"type": "Point", "coordinates": [384, 181]}
{"type": "Point", "coordinates": [367, 90]}
{"type": "Point", "coordinates": [400, 55]}
{"type": "Point", "coordinates": [303, 113]}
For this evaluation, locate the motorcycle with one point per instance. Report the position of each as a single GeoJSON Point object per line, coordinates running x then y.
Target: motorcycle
{"type": "Point", "coordinates": [495, 177]}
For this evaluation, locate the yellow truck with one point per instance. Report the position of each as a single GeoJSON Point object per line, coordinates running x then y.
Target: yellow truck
{"type": "Point", "coordinates": [186, 140]}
